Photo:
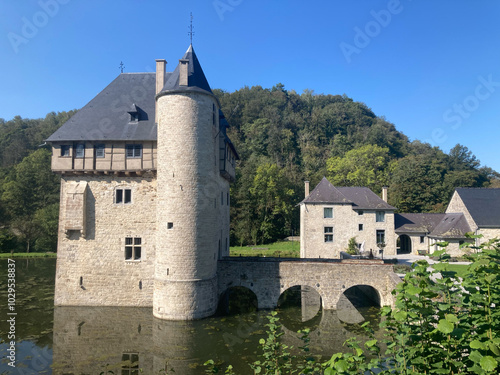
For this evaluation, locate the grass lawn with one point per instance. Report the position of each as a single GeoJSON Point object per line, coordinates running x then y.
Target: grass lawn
{"type": "Point", "coordinates": [27, 255]}
{"type": "Point", "coordinates": [284, 249]}
{"type": "Point", "coordinates": [457, 270]}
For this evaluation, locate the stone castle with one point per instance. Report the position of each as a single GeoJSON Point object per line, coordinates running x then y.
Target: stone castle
{"type": "Point", "coordinates": [144, 216]}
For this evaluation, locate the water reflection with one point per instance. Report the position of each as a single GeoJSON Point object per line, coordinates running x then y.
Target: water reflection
{"type": "Point", "coordinates": [125, 340]}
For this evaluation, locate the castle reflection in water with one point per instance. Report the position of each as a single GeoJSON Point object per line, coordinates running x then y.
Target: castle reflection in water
{"type": "Point", "coordinates": [93, 340]}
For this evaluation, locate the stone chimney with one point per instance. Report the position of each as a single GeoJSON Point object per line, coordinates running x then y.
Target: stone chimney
{"type": "Point", "coordinates": [160, 74]}
{"type": "Point", "coordinates": [183, 72]}
{"type": "Point", "coordinates": [384, 193]}
{"type": "Point", "coordinates": [306, 188]}
{"type": "Point", "coordinates": [160, 80]}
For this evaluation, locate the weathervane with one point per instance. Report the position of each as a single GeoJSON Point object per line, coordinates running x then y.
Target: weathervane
{"type": "Point", "coordinates": [191, 32]}
{"type": "Point", "coordinates": [122, 66]}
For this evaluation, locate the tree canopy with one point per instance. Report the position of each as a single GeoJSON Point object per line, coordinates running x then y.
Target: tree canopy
{"type": "Point", "coordinates": [283, 138]}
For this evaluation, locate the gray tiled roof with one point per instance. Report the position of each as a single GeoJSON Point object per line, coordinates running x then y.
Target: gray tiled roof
{"type": "Point", "coordinates": [325, 192]}
{"type": "Point", "coordinates": [364, 198]}
{"type": "Point", "coordinates": [196, 78]}
{"type": "Point", "coordinates": [358, 197]}
{"type": "Point", "coordinates": [483, 205]}
{"type": "Point", "coordinates": [107, 116]}
{"type": "Point", "coordinates": [416, 223]}
{"type": "Point", "coordinates": [451, 226]}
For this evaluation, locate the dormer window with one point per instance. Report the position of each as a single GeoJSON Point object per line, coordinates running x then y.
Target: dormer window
{"type": "Point", "coordinates": [134, 113]}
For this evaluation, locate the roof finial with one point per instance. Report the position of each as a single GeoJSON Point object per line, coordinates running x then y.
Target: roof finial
{"type": "Point", "coordinates": [121, 66]}
{"type": "Point", "coordinates": [191, 32]}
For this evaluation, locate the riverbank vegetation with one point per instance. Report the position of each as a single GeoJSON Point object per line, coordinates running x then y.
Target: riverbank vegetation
{"type": "Point", "coordinates": [283, 138]}
{"type": "Point", "coordinates": [439, 325]}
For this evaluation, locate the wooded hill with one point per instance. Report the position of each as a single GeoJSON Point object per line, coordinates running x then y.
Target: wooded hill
{"type": "Point", "coordinates": [283, 139]}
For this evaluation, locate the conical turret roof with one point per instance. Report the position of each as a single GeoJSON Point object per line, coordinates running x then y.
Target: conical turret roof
{"type": "Point", "coordinates": [196, 78]}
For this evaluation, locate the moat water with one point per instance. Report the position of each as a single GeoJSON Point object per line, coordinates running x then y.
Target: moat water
{"type": "Point", "coordinates": [127, 341]}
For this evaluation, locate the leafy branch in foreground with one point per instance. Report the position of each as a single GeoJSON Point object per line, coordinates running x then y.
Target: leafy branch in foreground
{"type": "Point", "coordinates": [440, 324]}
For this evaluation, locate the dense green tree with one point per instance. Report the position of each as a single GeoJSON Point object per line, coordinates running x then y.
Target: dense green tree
{"type": "Point", "coordinates": [364, 166]}
{"type": "Point", "coordinates": [29, 189]}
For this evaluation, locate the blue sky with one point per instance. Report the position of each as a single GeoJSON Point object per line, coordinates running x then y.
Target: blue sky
{"type": "Point", "coordinates": [430, 67]}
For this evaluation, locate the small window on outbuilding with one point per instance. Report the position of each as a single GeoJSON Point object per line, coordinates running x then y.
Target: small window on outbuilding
{"type": "Point", "coordinates": [380, 216]}
{"type": "Point", "coordinates": [380, 237]}
{"type": "Point", "coordinates": [328, 234]}
{"type": "Point", "coordinates": [360, 212]}
{"type": "Point", "coordinates": [360, 227]}
{"type": "Point", "coordinates": [328, 212]}
{"type": "Point", "coordinates": [422, 239]}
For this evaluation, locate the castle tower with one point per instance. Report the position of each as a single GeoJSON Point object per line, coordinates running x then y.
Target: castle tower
{"type": "Point", "coordinates": [195, 166]}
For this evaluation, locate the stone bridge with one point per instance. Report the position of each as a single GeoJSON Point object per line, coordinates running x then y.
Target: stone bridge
{"type": "Point", "coordinates": [268, 278]}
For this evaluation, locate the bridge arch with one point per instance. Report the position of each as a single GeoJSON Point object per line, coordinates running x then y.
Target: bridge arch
{"type": "Point", "coordinates": [305, 283]}
{"type": "Point", "coordinates": [363, 295]}
{"type": "Point", "coordinates": [237, 299]}
{"type": "Point", "coordinates": [371, 288]}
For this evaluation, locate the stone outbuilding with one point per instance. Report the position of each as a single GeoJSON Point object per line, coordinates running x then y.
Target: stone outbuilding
{"type": "Point", "coordinates": [420, 233]}
{"type": "Point", "coordinates": [330, 216]}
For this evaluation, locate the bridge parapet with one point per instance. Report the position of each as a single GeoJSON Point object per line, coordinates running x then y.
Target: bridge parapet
{"type": "Point", "coordinates": [269, 277]}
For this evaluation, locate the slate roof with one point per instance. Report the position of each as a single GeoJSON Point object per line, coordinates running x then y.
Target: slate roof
{"type": "Point", "coordinates": [196, 78]}
{"type": "Point", "coordinates": [358, 197]}
{"type": "Point", "coordinates": [364, 198]}
{"type": "Point", "coordinates": [483, 205]}
{"type": "Point", "coordinates": [107, 116]}
{"type": "Point", "coordinates": [451, 226]}
{"type": "Point", "coordinates": [416, 223]}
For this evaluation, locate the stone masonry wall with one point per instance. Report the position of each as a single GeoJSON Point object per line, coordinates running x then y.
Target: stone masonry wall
{"type": "Point", "coordinates": [345, 223]}
{"type": "Point", "coordinates": [93, 270]}
{"type": "Point", "coordinates": [192, 211]}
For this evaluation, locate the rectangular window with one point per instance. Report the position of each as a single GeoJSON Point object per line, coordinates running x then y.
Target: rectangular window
{"type": "Point", "coordinates": [133, 151]}
{"type": "Point", "coordinates": [422, 239]}
{"type": "Point", "coordinates": [328, 212]}
{"type": "Point", "coordinates": [99, 151]}
{"type": "Point", "coordinates": [328, 234]}
{"type": "Point", "coordinates": [79, 150]}
{"type": "Point", "coordinates": [360, 213]}
{"type": "Point", "coordinates": [133, 248]}
{"type": "Point", "coordinates": [380, 216]}
{"type": "Point", "coordinates": [380, 237]}
{"type": "Point", "coordinates": [360, 227]}
{"type": "Point", "coordinates": [123, 196]}
{"type": "Point", "coordinates": [130, 364]}
{"type": "Point", "coordinates": [65, 150]}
